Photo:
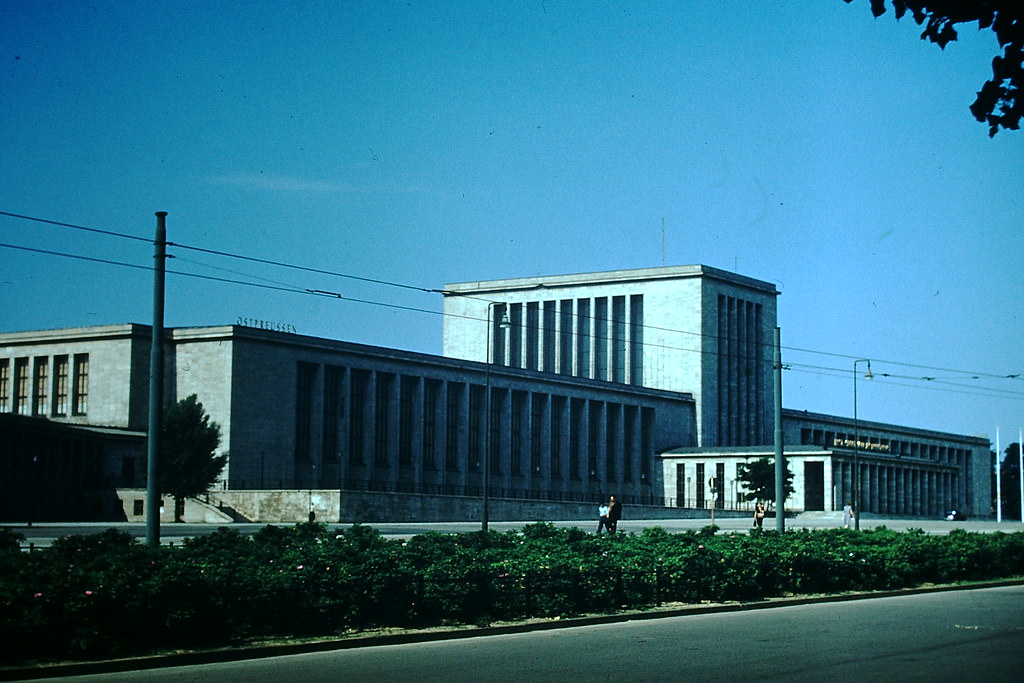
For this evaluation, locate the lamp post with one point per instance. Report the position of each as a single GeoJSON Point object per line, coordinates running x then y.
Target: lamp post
{"type": "Point", "coordinates": [856, 443]}
{"type": "Point", "coordinates": [489, 352]}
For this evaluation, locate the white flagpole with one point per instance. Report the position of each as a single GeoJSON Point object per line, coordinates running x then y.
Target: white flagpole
{"type": "Point", "coordinates": [999, 483]}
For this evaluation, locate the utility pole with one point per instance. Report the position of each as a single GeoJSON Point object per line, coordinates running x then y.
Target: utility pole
{"type": "Point", "coordinates": [780, 458]}
{"type": "Point", "coordinates": [999, 482]}
{"type": "Point", "coordinates": [156, 384]}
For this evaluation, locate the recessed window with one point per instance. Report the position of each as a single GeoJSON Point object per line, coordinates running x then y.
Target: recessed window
{"type": "Point", "coordinates": [80, 397]}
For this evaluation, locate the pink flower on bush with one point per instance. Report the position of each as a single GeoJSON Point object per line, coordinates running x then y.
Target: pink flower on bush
{"type": "Point", "coordinates": [88, 592]}
{"type": "Point", "coordinates": [38, 595]}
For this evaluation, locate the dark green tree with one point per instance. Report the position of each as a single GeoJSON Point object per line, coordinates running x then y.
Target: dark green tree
{"type": "Point", "coordinates": [999, 102]}
{"type": "Point", "coordinates": [758, 478]}
{"type": "Point", "coordinates": [1009, 482]}
{"type": "Point", "coordinates": [188, 463]}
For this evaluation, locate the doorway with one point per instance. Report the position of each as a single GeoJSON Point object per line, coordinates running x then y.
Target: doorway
{"type": "Point", "coordinates": [814, 486]}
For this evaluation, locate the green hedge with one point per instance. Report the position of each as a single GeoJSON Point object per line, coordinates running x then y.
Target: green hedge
{"type": "Point", "coordinates": [108, 595]}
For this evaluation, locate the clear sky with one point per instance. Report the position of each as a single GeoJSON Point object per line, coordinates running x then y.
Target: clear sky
{"type": "Point", "coordinates": [801, 142]}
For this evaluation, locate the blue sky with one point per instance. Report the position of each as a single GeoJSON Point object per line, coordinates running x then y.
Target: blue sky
{"type": "Point", "coordinates": [802, 142]}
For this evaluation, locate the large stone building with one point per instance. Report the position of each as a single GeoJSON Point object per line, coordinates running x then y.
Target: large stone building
{"type": "Point", "coordinates": [403, 434]}
{"type": "Point", "coordinates": [691, 328]}
{"type": "Point", "coordinates": [642, 383]}
{"type": "Point", "coordinates": [903, 471]}
{"type": "Point", "coordinates": [709, 332]}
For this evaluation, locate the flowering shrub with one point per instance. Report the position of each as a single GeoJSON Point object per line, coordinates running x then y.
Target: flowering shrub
{"type": "Point", "coordinates": [107, 595]}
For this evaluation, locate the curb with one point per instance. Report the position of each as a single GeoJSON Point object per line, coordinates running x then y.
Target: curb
{"type": "Point", "coordinates": [277, 650]}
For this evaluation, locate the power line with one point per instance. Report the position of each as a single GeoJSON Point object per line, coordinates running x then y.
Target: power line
{"type": "Point", "coordinates": [933, 383]}
{"type": "Point", "coordinates": [76, 227]}
{"type": "Point", "coordinates": [308, 269]}
{"type": "Point", "coordinates": [294, 288]}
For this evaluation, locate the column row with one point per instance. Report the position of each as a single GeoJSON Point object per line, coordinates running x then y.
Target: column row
{"type": "Point", "coordinates": [599, 337]}
{"type": "Point", "coordinates": [898, 490]}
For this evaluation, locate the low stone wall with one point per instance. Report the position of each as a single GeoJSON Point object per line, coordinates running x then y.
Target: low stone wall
{"type": "Point", "coordinates": [279, 505]}
{"type": "Point", "coordinates": [351, 507]}
{"type": "Point", "coordinates": [133, 504]}
{"type": "Point", "coordinates": [361, 506]}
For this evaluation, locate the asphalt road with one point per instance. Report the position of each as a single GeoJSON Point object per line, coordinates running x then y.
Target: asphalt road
{"type": "Point", "coordinates": [963, 635]}
{"type": "Point", "coordinates": [42, 534]}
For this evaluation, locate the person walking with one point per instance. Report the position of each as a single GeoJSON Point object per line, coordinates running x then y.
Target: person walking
{"type": "Point", "coordinates": [602, 518]}
{"type": "Point", "coordinates": [759, 515]}
{"type": "Point", "coordinates": [847, 515]}
{"type": "Point", "coordinates": [614, 514]}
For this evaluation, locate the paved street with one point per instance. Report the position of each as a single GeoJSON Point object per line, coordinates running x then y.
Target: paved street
{"type": "Point", "coordinates": [948, 636]}
{"type": "Point", "coordinates": [43, 534]}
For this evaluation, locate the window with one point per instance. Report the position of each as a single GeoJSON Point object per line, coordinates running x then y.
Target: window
{"type": "Point", "coordinates": [618, 345]}
{"type": "Point", "coordinates": [515, 338]}
{"type": "Point", "coordinates": [538, 410]}
{"type": "Point", "coordinates": [334, 378]}
{"type": "Point", "coordinates": [359, 387]}
{"type": "Point", "coordinates": [548, 337]}
{"type": "Point", "coordinates": [431, 396]}
{"type": "Point", "coordinates": [60, 390]}
{"type": "Point", "coordinates": [646, 447]}
{"type": "Point", "coordinates": [629, 441]}
{"type": "Point", "coordinates": [583, 326]}
{"type": "Point", "coordinates": [127, 471]}
{"type": "Point", "coordinates": [476, 426]}
{"type": "Point", "coordinates": [498, 400]}
{"type": "Point", "coordinates": [611, 451]}
{"type": "Point", "coordinates": [408, 389]}
{"type": "Point", "coordinates": [5, 385]}
{"type": "Point", "coordinates": [557, 412]}
{"type": "Point", "coordinates": [532, 335]}
{"type": "Point", "coordinates": [453, 423]}
{"type": "Point", "coordinates": [594, 438]}
{"type": "Point", "coordinates": [700, 485]}
{"type": "Point", "coordinates": [516, 432]}
{"type": "Point", "coordinates": [601, 338]}
{"type": "Point", "coordinates": [41, 380]}
{"type": "Point", "coordinates": [21, 405]}
{"type": "Point", "coordinates": [304, 409]}
{"type": "Point", "coordinates": [576, 433]}
{"type": "Point", "coordinates": [385, 386]}
{"type": "Point", "coordinates": [565, 337]}
{"type": "Point", "coordinates": [80, 398]}
{"type": "Point", "coordinates": [636, 339]}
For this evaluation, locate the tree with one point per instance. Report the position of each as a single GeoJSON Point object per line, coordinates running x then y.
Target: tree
{"type": "Point", "coordinates": [999, 102]}
{"type": "Point", "coordinates": [1009, 482]}
{"type": "Point", "coordinates": [758, 478]}
{"type": "Point", "coordinates": [188, 465]}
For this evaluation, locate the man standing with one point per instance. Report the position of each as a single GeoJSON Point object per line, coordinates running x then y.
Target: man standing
{"type": "Point", "coordinates": [614, 514]}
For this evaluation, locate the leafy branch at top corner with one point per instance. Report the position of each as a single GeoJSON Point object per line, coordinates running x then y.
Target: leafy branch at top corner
{"type": "Point", "coordinates": [999, 102]}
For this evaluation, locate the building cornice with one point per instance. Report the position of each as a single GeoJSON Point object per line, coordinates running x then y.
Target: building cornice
{"type": "Point", "coordinates": [607, 277]}
{"type": "Point", "coordinates": [849, 423]}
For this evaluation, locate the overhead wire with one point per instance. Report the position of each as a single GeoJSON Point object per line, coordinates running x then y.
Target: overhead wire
{"type": "Point", "coordinates": [276, 285]}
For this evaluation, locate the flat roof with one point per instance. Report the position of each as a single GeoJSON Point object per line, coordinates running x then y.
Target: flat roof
{"type": "Point", "coordinates": [608, 277]}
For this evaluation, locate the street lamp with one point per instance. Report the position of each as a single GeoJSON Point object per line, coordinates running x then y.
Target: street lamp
{"type": "Point", "coordinates": [504, 325]}
{"type": "Point", "coordinates": [856, 443]}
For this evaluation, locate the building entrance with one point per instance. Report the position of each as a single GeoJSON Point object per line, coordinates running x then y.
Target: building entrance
{"type": "Point", "coordinates": [814, 486]}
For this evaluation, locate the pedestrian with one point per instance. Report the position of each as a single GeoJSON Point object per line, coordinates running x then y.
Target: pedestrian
{"type": "Point", "coordinates": [614, 514]}
{"type": "Point", "coordinates": [759, 515]}
{"type": "Point", "coordinates": [847, 515]}
{"type": "Point", "coordinates": [602, 518]}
